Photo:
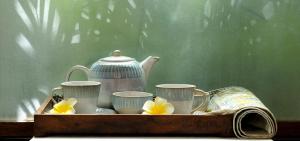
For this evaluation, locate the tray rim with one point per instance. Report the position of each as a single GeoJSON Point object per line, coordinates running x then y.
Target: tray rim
{"type": "Point", "coordinates": [129, 124]}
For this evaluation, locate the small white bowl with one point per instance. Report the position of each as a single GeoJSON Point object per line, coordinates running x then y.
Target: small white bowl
{"type": "Point", "coordinates": [130, 102]}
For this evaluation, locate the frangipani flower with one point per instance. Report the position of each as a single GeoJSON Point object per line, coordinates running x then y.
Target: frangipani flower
{"type": "Point", "coordinates": [64, 107]}
{"type": "Point", "coordinates": [160, 106]}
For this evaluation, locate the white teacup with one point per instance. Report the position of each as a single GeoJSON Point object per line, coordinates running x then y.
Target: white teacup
{"type": "Point", "coordinates": [181, 96]}
{"type": "Point", "coordinates": [86, 93]}
{"type": "Point", "coordinates": [130, 102]}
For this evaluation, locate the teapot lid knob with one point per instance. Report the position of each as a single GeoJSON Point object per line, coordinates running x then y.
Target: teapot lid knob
{"type": "Point", "coordinates": [116, 57]}
{"type": "Point", "coordinates": [116, 53]}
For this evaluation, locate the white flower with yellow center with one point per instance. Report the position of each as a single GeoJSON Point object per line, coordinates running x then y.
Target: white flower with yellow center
{"type": "Point", "coordinates": [64, 107]}
{"type": "Point", "coordinates": [160, 106]}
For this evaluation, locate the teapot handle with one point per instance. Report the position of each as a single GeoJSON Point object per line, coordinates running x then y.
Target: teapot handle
{"type": "Point", "coordinates": [77, 67]}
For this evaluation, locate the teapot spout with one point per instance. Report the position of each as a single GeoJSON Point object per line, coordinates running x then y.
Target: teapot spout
{"type": "Point", "coordinates": [147, 64]}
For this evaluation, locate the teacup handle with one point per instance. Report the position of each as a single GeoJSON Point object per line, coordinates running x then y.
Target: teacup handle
{"type": "Point", "coordinates": [77, 67]}
{"type": "Point", "coordinates": [205, 101]}
{"type": "Point", "coordinates": [54, 91]}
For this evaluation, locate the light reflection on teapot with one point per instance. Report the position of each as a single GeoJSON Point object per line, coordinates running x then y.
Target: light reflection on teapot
{"type": "Point", "coordinates": [117, 73]}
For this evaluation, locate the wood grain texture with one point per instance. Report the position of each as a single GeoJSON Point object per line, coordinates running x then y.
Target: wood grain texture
{"type": "Point", "coordinates": [138, 125]}
{"type": "Point", "coordinates": [16, 129]}
{"type": "Point", "coordinates": [44, 105]}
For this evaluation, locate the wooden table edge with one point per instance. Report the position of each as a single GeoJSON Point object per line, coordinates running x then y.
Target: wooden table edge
{"type": "Point", "coordinates": [9, 129]}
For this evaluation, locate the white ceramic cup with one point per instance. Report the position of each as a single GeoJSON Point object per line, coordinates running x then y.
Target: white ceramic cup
{"type": "Point", "coordinates": [130, 102]}
{"type": "Point", "coordinates": [181, 96]}
{"type": "Point", "coordinates": [86, 93]}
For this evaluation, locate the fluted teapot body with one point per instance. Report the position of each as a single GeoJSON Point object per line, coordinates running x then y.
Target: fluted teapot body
{"type": "Point", "coordinates": [117, 73]}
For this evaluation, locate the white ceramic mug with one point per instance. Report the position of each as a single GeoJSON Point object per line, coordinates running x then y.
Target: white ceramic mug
{"type": "Point", "coordinates": [181, 96]}
{"type": "Point", "coordinates": [86, 93]}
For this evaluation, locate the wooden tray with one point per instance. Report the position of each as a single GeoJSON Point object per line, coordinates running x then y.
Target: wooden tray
{"type": "Point", "coordinates": [130, 125]}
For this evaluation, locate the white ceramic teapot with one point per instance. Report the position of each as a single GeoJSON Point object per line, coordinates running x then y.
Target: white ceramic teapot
{"type": "Point", "coordinates": [117, 73]}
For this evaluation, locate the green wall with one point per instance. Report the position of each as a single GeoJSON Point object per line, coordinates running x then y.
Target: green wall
{"type": "Point", "coordinates": [210, 43]}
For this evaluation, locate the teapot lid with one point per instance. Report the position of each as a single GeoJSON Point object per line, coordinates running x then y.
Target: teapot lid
{"type": "Point", "coordinates": [116, 57]}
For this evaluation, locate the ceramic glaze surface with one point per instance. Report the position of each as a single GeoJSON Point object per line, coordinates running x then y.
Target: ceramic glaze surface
{"type": "Point", "coordinates": [181, 96]}
{"type": "Point", "coordinates": [110, 86]}
{"type": "Point", "coordinates": [85, 92]}
{"type": "Point", "coordinates": [122, 70]}
{"type": "Point", "coordinates": [117, 73]}
{"type": "Point", "coordinates": [130, 102]}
